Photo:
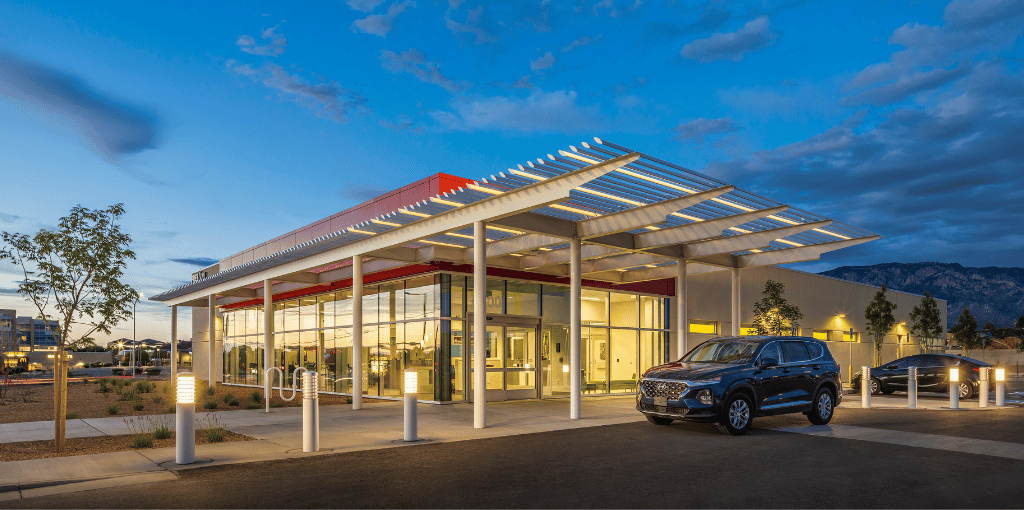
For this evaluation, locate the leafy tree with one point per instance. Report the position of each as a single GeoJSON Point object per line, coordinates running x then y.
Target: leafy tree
{"type": "Point", "coordinates": [880, 320]}
{"type": "Point", "coordinates": [773, 315]}
{"type": "Point", "coordinates": [74, 270]}
{"type": "Point", "coordinates": [965, 332]}
{"type": "Point", "coordinates": [1020, 323]}
{"type": "Point", "coordinates": [84, 344]}
{"type": "Point", "coordinates": [989, 326]}
{"type": "Point", "coordinates": [926, 320]}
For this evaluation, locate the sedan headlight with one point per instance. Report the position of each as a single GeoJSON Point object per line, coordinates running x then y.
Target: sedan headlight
{"type": "Point", "coordinates": [704, 396]}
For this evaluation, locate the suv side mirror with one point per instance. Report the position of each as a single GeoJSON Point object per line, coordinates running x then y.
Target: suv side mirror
{"type": "Point", "coordinates": [769, 362]}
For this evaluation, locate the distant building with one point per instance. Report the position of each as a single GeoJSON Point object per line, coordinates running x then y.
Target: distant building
{"type": "Point", "coordinates": [8, 340]}
{"type": "Point", "coordinates": [25, 333]}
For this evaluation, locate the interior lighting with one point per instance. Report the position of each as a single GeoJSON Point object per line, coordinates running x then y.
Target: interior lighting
{"type": "Point", "coordinates": [439, 243]}
{"type": "Point", "coordinates": [572, 210]}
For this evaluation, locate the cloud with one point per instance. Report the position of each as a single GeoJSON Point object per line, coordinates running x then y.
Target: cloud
{"type": "Point", "coordinates": [622, 88]}
{"type": "Point", "coordinates": [327, 97]}
{"type": "Point", "coordinates": [415, 63]}
{"type": "Point", "coordinates": [364, 5]}
{"type": "Point", "coordinates": [274, 48]}
{"type": "Point", "coordinates": [542, 63]}
{"type": "Point", "coordinates": [933, 56]}
{"type": "Point", "coordinates": [381, 24]}
{"type": "Point", "coordinates": [115, 129]}
{"type": "Point", "coordinates": [581, 42]}
{"type": "Point", "coordinates": [9, 218]}
{"type": "Point", "coordinates": [712, 18]}
{"type": "Point", "coordinates": [545, 112]}
{"type": "Point", "coordinates": [9, 290]}
{"type": "Point", "coordinates": [474, 25]}
{"type": "Point", "coordinates": [196, 261]}
{"type": "Point", "coordinates": [698, 130]}
{"type": "Point", "coordinates": [753, 36]}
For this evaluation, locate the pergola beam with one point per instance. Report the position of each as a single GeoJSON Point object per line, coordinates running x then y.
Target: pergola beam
{"type": "Point", "coordinates": [742, 242]}
{"type": "Point", "coordinates": [801, 254]}
{"type": "Point", "coordinates": [701, 229]}
{"type": "Point", "coordinates": [643, 216]}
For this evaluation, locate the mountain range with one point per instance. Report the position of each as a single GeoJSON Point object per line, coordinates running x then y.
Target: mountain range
{"type": "Point", "coordinates": [992, 294]}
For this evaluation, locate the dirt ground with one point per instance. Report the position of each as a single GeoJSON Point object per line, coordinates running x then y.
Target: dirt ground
{"type": "Point", "coordinates": [89, 445]}
{"type": "Point", "coordinates": [35, 403]}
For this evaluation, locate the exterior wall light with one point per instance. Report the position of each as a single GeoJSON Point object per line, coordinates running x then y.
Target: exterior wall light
{"type": "Point", "coordinates": [184, 423]}
{"type": "Point", "coordinates": [411, 384]}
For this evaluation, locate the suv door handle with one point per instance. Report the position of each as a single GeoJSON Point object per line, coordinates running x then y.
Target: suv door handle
{"type": "Point", "coordinates": [785, 370]}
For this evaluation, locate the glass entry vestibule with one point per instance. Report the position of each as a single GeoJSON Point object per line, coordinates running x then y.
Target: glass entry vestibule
{"type": "Point", "coordinates": [511, 359]}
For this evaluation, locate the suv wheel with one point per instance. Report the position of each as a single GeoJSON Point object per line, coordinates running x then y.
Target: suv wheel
{"type": "Point", "coordinates": [822, 408]}
{"type": "Point", "coordinates": [657, 420]}
{"type": "Point", "coordinates": [739, 415]}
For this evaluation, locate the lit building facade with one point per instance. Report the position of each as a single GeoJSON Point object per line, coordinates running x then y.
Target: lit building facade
{"type": "Point", "coordinates": [600, 263]}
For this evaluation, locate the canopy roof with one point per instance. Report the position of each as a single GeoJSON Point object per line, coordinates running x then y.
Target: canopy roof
{"type": "Point", "coordinates": [637, 216]}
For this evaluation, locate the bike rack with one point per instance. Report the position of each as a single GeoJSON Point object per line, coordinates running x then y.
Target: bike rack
{"type": "Point", "coordinates": [267, 382]}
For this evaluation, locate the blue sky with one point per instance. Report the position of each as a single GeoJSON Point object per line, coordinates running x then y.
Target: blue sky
{"type": "Point", "coordinates": [221, 125]}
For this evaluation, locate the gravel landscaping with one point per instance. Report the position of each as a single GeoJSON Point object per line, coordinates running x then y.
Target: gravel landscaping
{"type": "Point", "coordinates": [100, 444]}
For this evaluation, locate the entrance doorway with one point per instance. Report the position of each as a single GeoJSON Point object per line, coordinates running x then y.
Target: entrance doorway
{"type": "Point", "coordinates": [511, 359]}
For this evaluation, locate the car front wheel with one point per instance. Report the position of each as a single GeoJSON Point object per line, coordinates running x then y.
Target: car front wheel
{"type": "Point", "coordinates": [966, 390]}
{"type": "Point", "coordinates": [739, 415]}
{"type": "Point", "coordinates": [823, 407]}
{"type": "Point", "coordinates": [874, 386]}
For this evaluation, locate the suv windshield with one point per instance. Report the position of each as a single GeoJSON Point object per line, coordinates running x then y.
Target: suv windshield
{"type": "Point", "coordinates": [736, 352]}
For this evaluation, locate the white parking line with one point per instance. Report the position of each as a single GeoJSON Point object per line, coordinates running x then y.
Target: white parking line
{"type": "Point", "coordinates": [916, 439]}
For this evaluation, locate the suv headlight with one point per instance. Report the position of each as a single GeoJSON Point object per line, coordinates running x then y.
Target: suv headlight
{"type": "Point", "coordinates": [704, 396]}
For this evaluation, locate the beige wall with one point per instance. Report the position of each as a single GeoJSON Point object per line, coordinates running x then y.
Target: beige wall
{"type": "Point", "coordinates": [201, 346]}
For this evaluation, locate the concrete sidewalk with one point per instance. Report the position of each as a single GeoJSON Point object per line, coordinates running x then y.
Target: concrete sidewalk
{"type": "Point", "coordinates": [279, 436]}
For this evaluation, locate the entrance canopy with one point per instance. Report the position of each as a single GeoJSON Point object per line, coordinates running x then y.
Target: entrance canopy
{"type": "Point", "coordinates": [636, 217]}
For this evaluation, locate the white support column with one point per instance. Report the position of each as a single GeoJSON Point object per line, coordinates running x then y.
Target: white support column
{"type": "Point", "coordinates": [357, 332]}
{"type": "Point", "coordinates": [575, 293]}
{"type": "Point", "coordinates": [735, 301]}
{"type": "Point", "coordinates": [212, 336]}
{"type": "Point", "coordinates": [268, 331]}
{"type": "Point", "coordinates": [682, 325]}
{"type": "Point", "coordinates": [174, 344]}
{"type": "Point", "coordinates": [479, 325]}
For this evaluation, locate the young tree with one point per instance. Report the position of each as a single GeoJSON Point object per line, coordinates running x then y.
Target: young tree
{"type": "Point", "coordinates": [965, 332]}
{"type": "Point", "coordinates": [773, 315]}
{"type": "Point", "coordinates": [880, 320]}
{"type": "Point", "coordinates": [75, 271]}
{"type": "Point", "coordinates": [926, 320]}
{"type": "Point", "coordinates": [1020, 323]}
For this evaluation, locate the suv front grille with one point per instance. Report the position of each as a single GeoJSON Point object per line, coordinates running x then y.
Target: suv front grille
{"type": "Point", "coordinates": [667, 389]}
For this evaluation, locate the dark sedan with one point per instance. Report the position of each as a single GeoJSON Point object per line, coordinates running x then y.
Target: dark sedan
{"type": "Point", "coordinates": [932, 374]}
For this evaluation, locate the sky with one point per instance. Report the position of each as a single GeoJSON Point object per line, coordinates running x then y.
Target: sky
{"type": "Point", "coordinates": [220, 125]}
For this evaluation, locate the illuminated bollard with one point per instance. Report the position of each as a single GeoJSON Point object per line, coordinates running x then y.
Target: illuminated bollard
{"type": "Point", "coordinates": [184, 419]}
{"type": "Point", "coordinates": [983, 394]}
{"type": "Point", "coordinates": [865, 387]}
{"type": "Point", "coordinates": [912, 388]}
{"type": "Point", "coordinates": [1000, 387]}
{"type": "Point", "coordinates": [410, 404]}
{"type": "Point", "coordinates": [954, 388]}
{"type": "Point", "coordinates": [310, 413]}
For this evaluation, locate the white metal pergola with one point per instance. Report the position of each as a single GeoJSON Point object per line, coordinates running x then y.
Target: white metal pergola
{"type": "Point", "coordinates": [600, 211]}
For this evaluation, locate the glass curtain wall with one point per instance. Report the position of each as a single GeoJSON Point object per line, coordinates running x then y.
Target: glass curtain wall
{"type": "Point", "coordinates": [419, 323]}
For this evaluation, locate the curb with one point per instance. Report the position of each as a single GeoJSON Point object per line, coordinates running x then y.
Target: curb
{"type": "Point", "coordinates": [32, 490]}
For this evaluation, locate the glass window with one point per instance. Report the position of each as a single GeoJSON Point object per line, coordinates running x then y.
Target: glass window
{"type": "Point", "coordinates": [389, 358]}
{"type": "Point", "coordinates": [278, 317]}
{"type": "Point", "coordinates": [652, 349]}
{"type": "Point", "coordinates": [417, 353]}
{"type": "Point", "coordinates": [771, 351]}
{"type": "Point", "coordinates": [723, 351]}
{"type": "Point", "coordinates": [820, 335]}
{"type": "Point", "coordinates": [651, 313]}
{"type": "Point", "coordinates": [308, 316]}
{"type": "Point", "coordinates": [813, 349]}
{"type": "Point", "coordinates": [370, 304]}
{"type": "Point", "coordinates": [291, 315]}
{"type": "Point", "coordinates": [343, 308]}
{"type": "Point", "coordinates": [595, 359]}
{"type": "Point", "coordinates": [421, 298]}
{"type": "Point", "coordinates": [704, 327]}
{"type": "Point", "coordinates": [372, 363]}
{"type": "Point", "coordinates": [523, 299]}
{"type": "Point", "coordinates": [747, 330]}
{"type": "Point", "coordinates": [624, 310]}
{"type": "Point", "coordinates": [794, 352]}
{"type": "Point", "coordinates": [458, 368]}
{"type": "Point", "coordinates": [392, 302]}
{"type": "Point", "coordinates": [253, 320]}
{"type": "Point", "coordinates": [325, 303]}
{"type": "Point", "coordinates": [624, 360]}
{"type": "Point", "coordinates": [458, 308]}
{"type": "Point", "coordinates": [594, 307]}
{"type": "Point", "coordinates": [555, 303]}
{"type": "Point", "coordinates": [847, 337]}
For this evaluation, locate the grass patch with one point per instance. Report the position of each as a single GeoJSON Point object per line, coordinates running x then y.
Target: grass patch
{"type": "Point", "coordinates": [142, 441]}
{"type": "Point", "coordinates": [256, 397]}
{"type": "Point", "coordinates": [210, 404]}
{"type": "Point", "coordinates": [138, 406]}
{"type": "Point", "coordinates": [171, 409]}
{"type": "Point", "coordinates": [71, 415]}
{"type": "Point", "coordinates": [157, 399]}
{"type": "Point", "coordinates": [144, 386]}
{"type": "Point", "coordinates": [215, 435]}
{"type": "Point", "coordinates": [253, 405]}
{"type": "Point", "coordinates": [112, 409]}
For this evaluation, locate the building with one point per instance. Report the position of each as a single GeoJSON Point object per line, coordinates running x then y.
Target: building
{"type": "Point", "coordinates": [8, 339]}
{"type": "Point", "coordinates": [599, 261]}
{"type": "Point", "coordinates": [26, 333]}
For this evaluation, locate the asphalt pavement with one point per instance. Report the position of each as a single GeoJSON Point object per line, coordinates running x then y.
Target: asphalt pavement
{"type": "Point", "coordinates": [633, 465]}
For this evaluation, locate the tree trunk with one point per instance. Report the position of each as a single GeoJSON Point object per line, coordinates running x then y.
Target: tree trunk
{"type": "Point", "coordinates": [60, 399]}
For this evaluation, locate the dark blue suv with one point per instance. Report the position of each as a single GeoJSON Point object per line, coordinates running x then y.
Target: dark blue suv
{"type": "Point", "coordinates": [731, 380]}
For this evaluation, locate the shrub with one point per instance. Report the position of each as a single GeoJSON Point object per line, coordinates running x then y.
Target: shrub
{"type": "Point", "coordinates": [210, 404]}
{"type": "Point", "coordinates": [171, 409]}
{"type": "Point", "coordinates": [112, 409]}
{"type": "Point", "coordinates": [256, 397]}
{"type": "Point", "coordinates": [253, 405]}
{"type": "Point", "coordinates": [144, 386]}
{"type": "Point", "coordinates": [138, 406]}
{"type": "Point", "coordinates": [104, 389]}
{"type": "Point", "coordinates": [215, 435]}
{"type": "Point", "coordinates": [162, 431]}
{"type": "Point", "coordinates": [142, 441]}
{"type": "Point", "coordinates": [210, 391]}
{"type": "Point", "coordinates": [130, 396]}
{"type": "Point", "coordinates": [157, 399]}
{"type": "Point", "coordinates": [71, 415]}
{"type": "Point", "coordinates": [230, 400]}
{"type": "Point", "coordinates": [276, 404]}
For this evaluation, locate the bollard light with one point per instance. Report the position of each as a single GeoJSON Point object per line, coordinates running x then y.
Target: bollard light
{"type": "Point", "coordinates": [184, 419]}
{"type": "Point", "coordinates": [912, 388]}
{"type": "Point", "coordinates": [411, 384]}
{"type": "Point", "coordinates": [310, 413]}
{"type": "Point", "coordinates": [1000, 387]}
{"type": "Point", "coordinates": [954, 388]}
{"type": "Point", "coordinates": [983, 390]}
{"type": "Point", "coordinates": [865, 387]}
{"type": "Point", "coordinates": [1000, 374]}
{"type": "Point", "coordinates": [565, 368]}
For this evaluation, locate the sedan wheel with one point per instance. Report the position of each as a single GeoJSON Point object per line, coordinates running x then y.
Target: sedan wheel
{"type": "Point", "coordinates": [874, 386]}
